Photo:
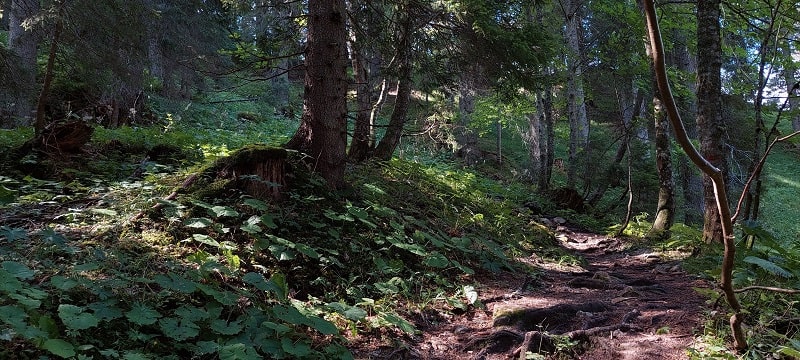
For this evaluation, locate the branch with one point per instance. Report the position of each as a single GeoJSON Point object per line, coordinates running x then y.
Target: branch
{"type": "Point", "coordinates": [726, 273]}
{"type": "Point", "coordinates": [768, 288]}
{"type": "Point", "coordinates": [757, 171]}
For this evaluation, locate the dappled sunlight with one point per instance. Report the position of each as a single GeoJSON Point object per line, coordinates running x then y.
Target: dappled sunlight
{"type": "Point", "coordinates": [783, 180]}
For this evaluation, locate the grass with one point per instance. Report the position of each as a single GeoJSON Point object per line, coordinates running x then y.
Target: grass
{"type": "Point", "coordinates": [780, 215]}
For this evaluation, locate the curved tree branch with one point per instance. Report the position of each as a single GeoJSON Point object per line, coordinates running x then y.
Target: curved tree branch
{"type": "Point", "coordinates": [659, 64]}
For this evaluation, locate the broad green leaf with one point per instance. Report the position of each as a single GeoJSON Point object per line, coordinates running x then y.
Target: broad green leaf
{"type": "Point", "coordinates": [399, 322]}
{"type": "Point", "coordinates": [355, 313]}
{"type": "Point", "coordinates": [413, 248]}
{"type": "Point", "coordinates": [238, 351]}
{"type": "Point", "coordinates": [75, 317]}
{"type": "Point", "coordinates": [283, 286]}
{"type": "Point", "coordinates": [223, 211]}
{"type": "Point", "coordinates": [197, 223]}
{"type": "Point", "coordinates": [307, 251]}
{"type": "Point", "coordinates": [26, 301]}
{"type": "Point", "coordinates": [297, 349]}
{"type": "Point", "coordinates": [63, 283]}
{"type": "Point", "coordinates": [59, 347]}
{"type": "Point", "coordinates": [205, 239]}
{"type": "Point", "coordinates": [178, 329]}
{"type": "Point", "coordinates": [18, 270]}
{"type": "Point", "coordinates": [49, 326]}
{"type": "Point", "coordinates": [13, 234]}
{"type": "Point", "coordinates": [279, 328]}
{"type": "Point", "coordinates": [256, 204]}
{"type": "Point", "coordinates": [269, 221]}
{"type": "Point", "coordinates": [223, 327]}
{"type": "Point", "coordinates": [289, 314]}
{"type": "Point", "coordinates": [436, 260]}
{"type": "Point", "coordinates": [135, 355]}
{"type": "Point", "coordinates": [769, 266]}
{"type": "Point", "coordinates": [192, 313]}
{"type": "Point", "coordinates": [50, 236]}
{"type": "Point", "coordinates": [105, 310]}
{"type": "Point", "coordinates": [7, 195]}
{"type": "Point", "coordinates": [223, 297]}
{"type": "Point", "coordinates": [251, 228]}
{"type": "Point", "coordinates": [263, 284]}
{"type": "Point", "coordinates": [325, 327]}
{"type": "Point", "coordinates": [106, 212]}
{"type": "Point", "coordinates": [8, 282]}
{"type": "Point", "coordinates": [176, 282]}
{"type": "Point", "coordinates": [13, 315]}
{"type": "Point", "coordinates": [206, 347]}
{"type": "Point", "coordinates": [141, 314]}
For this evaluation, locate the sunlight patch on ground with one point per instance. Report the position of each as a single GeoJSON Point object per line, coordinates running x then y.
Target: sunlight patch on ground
{"type": "Point", "coordinates": [786, 181]}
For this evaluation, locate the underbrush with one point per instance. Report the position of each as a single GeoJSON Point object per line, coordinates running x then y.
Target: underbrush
{"type": "Point", "coordinates": [233, 277]}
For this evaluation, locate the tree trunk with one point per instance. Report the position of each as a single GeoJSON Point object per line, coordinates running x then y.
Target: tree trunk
{"type": "Point", "coordinates": [547, 147]}
{"type": "Point", "coordinates": [709, 120]}
{"type": "Point", "coordinates": [665, 209]}
{"type": "Point", "coordinates": [326, 89]}
{"type": "Point", "coordinates": [533, 138]}
{"type": "Point", "coordinates": [44, 94]}
{"type": "Point", "coordinates": [466, 140]}
{"type": "Point", "coordinates": [360, 145]}
{"type": "Point", "coordinates": [394, 131]}
{"type": "Point", "coordinates": [576, 106]}
{"type": "Point", "coordinates": [22, 43]}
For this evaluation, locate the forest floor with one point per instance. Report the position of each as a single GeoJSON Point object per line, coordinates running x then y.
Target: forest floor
{"type": "Point", "coordinates": [623, 303]}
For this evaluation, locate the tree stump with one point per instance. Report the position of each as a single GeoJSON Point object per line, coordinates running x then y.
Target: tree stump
{"type": "Point", "coordinates": [59, 138]}
{"type": "Point", "coordinates": [258, 170]}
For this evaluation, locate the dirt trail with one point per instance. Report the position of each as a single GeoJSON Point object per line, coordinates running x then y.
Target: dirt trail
{"type": "Point", "coordinates": [621, 305]}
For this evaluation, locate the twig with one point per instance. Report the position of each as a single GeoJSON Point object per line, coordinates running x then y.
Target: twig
{"type": "Point", "coordinates": [768, 288]}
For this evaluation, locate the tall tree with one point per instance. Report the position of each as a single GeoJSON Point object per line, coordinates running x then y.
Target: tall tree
{"type": "Point", "coordinates": [572, 11]}
{"type": "Point", "coordinates": [709, 120]}
{"type": "Point", "coordinates": [402, 62]}
{"type": "Point", "coordinates": [22, 43]}
{"type": "Point", "coordinates": [324, 123]}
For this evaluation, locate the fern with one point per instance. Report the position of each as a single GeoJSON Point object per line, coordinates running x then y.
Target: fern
{"type": "Point", "coordinates": [768, 266]}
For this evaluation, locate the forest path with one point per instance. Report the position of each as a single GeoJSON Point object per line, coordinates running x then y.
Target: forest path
{"type": "Point", "coordinates": [622, 304]}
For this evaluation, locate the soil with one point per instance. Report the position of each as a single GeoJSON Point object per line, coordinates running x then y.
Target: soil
{"type": "Point", "coordinates": [624, 303]}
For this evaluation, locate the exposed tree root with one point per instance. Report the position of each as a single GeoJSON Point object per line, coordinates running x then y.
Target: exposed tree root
{"type": "Point", "coordinates": [506, 338]}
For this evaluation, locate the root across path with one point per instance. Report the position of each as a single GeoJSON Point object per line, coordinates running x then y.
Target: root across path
{"type": "Point", "coordinates": [621, 304]}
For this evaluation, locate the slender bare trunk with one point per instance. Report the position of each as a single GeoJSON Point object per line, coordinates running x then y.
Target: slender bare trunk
{"type": "Point", "coordinates": [576, 107]}
{"type": "Point", "coordinates": [23, 43]}
{"type": "Point", "coordinates": [44, 94]}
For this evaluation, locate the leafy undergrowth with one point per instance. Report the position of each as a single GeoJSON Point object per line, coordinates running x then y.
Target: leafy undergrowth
{"type": "Point", "coordinates": [233, 277]}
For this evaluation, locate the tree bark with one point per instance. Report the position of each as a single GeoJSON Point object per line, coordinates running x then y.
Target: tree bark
{"type": "Point", "coordinates": [394, 131]}
{"type": "Point", "coordinates": [22, 43]}
{"type": "Point", "coordinates": [709, 120]}
{"type": "Point", "coordinates": [665, 209]}
{"type": "Point", "coordinates": [547, 147]}
{"type": "Point", "coordinates": [576, 106]}
{"type": "Point", "coordinates": [362, 140]}
{"type": "Point", "coordinates": [39, 124]}
{"type": "Point", "coordinates": [325, 107]}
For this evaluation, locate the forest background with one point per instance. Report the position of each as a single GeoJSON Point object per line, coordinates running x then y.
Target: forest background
{"type": "Point", "coordinates": [547, 106]}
